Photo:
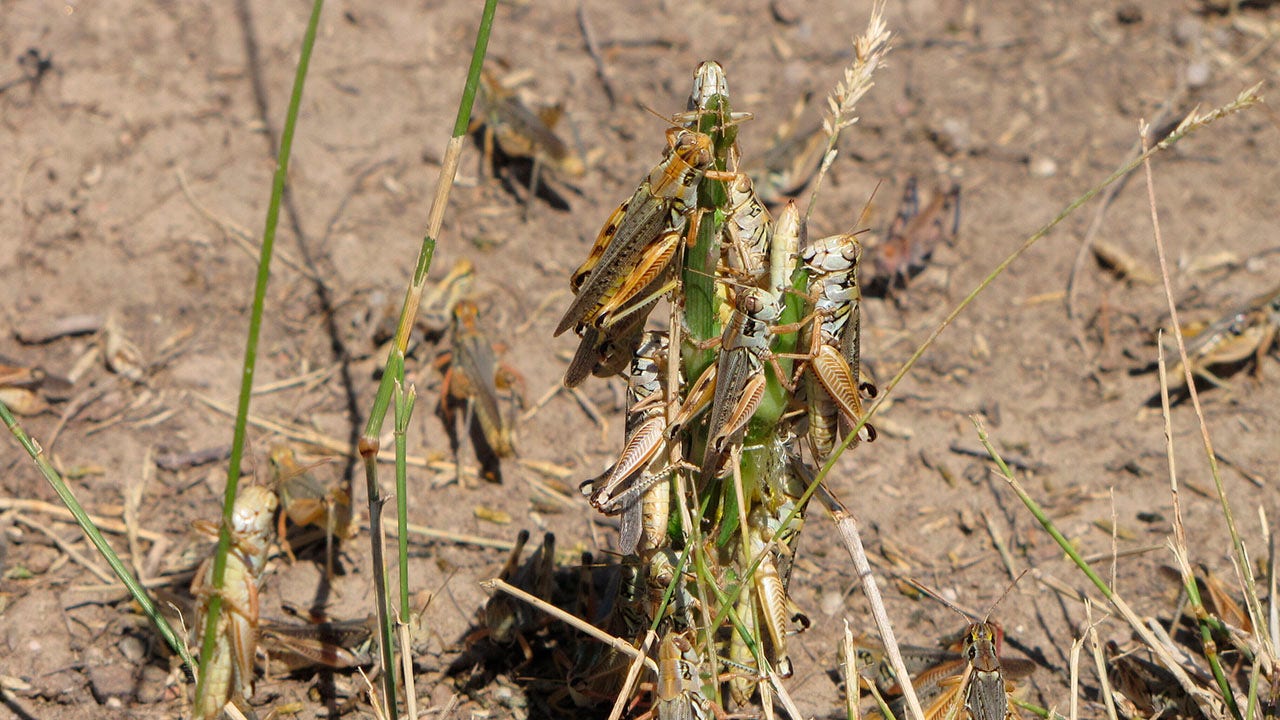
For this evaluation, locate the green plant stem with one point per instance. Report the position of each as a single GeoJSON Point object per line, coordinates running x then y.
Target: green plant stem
{"type": "Point", "coordinates": [1116, 601]}
{"type": "Point", "coordinates": [404, 412]}
{"type": "Point", "coordinates": [251, 344]}
{"type": "Point", "coordinates": [91, 531]}
{"type": "Point", "coordinates": [368, 445]}
{"type": "Point", "coordinates": [377, 543]}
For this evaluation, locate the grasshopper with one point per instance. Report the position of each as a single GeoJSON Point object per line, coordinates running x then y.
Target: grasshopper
{"type": "Point", "coordinates": [789, 164]}
{"type": "Point", "coordinates": [506, 618]}
{"type": "Point", "coordinates": [473, 378]}
{"type": "Point", "coordinates": [980, 688]}
{"type": "Point", "coordinates": [1248, 330]}
{"type": "Point", "coordinates": [304, 501]}
{"type": "Point", "coordinates": [748, 232]}
{"type": "Point", "coordinates": [739, 374]}
{"type": "Point", "coordinates": [621, 488]}
{"type": "Point", "coordinates": [833, 389]}
{"type": "Point", "coordinates": [1145, 689]}
{"type": "Point", "coordinates": [976, 683]}
{"type": "Point", "coordinates": [677, 695]}
{"type": "Point", "coordinates": [332, 644]}
{"type": "Point", "coordinates": [642, 228]}
{"type": "Point", "coordinates": [914, 234]}
{"type": "Point", "coordinates": [230, 671]}
{"type": "Point", "coordinates": [521, 133]}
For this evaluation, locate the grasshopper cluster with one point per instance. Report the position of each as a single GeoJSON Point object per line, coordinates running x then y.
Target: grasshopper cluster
{"type": "Point", "coordinates": [758, 362]}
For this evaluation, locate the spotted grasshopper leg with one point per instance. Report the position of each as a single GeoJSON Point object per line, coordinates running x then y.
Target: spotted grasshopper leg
{"type": "Point", "coordinates": [832, 389]}
{"type": "Point", "coordinates": [659, 206]}
{"type": "Point", "coordinates": [619, 491]}
{"type": "Point", "coordinates": [230, 670]}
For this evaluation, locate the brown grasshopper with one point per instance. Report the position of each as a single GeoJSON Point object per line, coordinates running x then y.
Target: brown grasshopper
{"type": "Point", "coordinates": [305, 501]}
{"type": "Point", "coordinates": [643, 230]}
{"type": "Point", "coordinates": [833, 389]}
{"type": "Point", "coordinates": [914, 234]}
{"type": "Point", "coordinates": [332, 644]}
{"type": "Point", "coordinates": [230, 673]}
{"type": "Point", "coordinates": [677, 695]}
{"type": "Point", "coordinates": [1247, 331]}
{"type": "Point", "coordinates": [507, 619]}
{"type": "Point", "coordinates": [472, 379]}
{"type": "Point", "coordinates": [521, 133]}
{"type": "Point", "coordinates": [620, 489]}
{"type": "Point", "coordinates": [977, 683]}
{"type": "Point", "coordinates": [1145, 689]}
{"type": "Point", "coordinates": [789, 164]}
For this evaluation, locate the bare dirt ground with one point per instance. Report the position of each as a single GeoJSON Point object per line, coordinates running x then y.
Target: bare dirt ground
{"type": "Point", "coordinates": [136, 167]}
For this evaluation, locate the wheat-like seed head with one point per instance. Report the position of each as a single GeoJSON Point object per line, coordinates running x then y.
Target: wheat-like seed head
{"type": "Point", "coordinates": [869, 50]}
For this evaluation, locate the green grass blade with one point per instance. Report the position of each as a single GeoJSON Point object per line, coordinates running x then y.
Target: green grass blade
{"type": "Point", "coordinates": [95, 536]}
{"type": "Point", "coordinates": [251, 345]}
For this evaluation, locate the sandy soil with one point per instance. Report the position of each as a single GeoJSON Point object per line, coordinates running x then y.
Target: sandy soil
{"type": "Point", "coordinates": [136, 168]}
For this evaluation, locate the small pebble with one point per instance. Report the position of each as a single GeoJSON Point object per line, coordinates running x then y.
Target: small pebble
{"type": "Point", "coordinates": [831, 603]}
{"type": "Point", "coordinates": [1198, 74]}
{"type": "Point", "coordinates": [132, 648]}
{"type": "Point", "coordinates": [1043, 167]}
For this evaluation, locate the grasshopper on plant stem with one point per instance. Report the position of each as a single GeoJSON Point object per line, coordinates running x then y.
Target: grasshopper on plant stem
{"type": "Point", "coordinates": [748, 233]}
{"type": "Point", "coordinates": [656, 212]}
{"type": "Point", "coordinates": [230, 671]}
{"type": "Point", "coordinates": [677, 695]}
{"type": "Point", "coordinates": [739, 375]}
{"type": "Point", "coordinates": [833, 388]}
{"type": "Point", "coordinates": [619, 491]}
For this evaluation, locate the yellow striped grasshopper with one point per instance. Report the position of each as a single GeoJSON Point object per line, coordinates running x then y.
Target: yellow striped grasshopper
{"type": "Point", "coordinates": [521, 133]}
{"type": "Point", "coordinates": [833, 388]}
{"type": "Point", "coordinates": [640, 238]}
{"type": "Point", "coordinates": [305, 501]}
{"type": "Point", "coordinates": [1247, 331]}
{"type": "Point", "coordinates": [641, 464]}
{"type": "Point", "coordinates": [472, 378]}
{"type": "Point", "coordinates": [230, 673]}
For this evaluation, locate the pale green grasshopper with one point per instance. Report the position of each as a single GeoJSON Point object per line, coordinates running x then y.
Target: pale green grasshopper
{"type": "Point", "coordinates": [230, 672]}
